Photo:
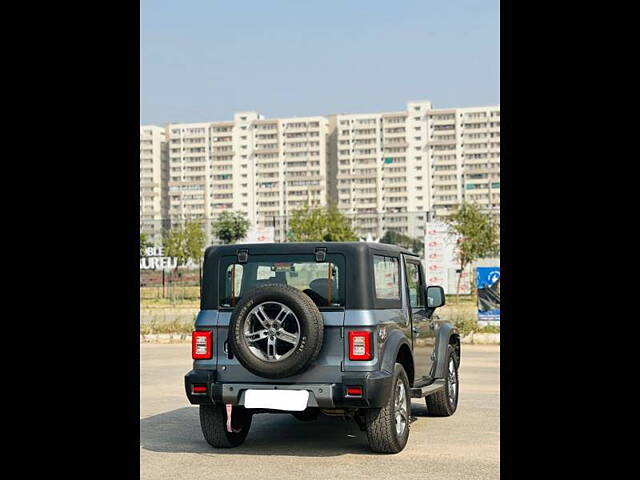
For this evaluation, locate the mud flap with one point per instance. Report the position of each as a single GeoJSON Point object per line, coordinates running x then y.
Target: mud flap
{"type": "Point", "coordinates": [229, 410]}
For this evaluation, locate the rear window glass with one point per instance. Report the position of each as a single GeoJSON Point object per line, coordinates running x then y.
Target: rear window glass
{"type": "Point", "coordinates": [386, 272]}
{"type": "Point", "coordinates": [323, 282]}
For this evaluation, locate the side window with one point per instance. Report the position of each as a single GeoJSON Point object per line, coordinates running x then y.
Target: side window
{"type": "Point", "coordinates": [414, 283]}
{"type": "Point", "coordinates": [386, 272]}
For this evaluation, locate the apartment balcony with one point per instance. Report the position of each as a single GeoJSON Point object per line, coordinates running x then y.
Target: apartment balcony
{"type": "Point", "coordinates": [185, 183]}
{"type": "Point", "coordinates": [470, 169]}
{"type": "Point", "coordinates": [275, 188]}
{"type": "Point", "coordinates": [436, 141]}
{"type": "Point", "coordinates": [288, 147]}
{"type": "Point", "coordinates": [261, 150]}
{"type": "Point", "coordinates": [305, 188]}
{"type": "Point", "coordinates": [451, 124]}
{"type": "Point", "coordinates": [262, 169]}
{"type": "Point", "coordinates": [221, 183]}
{"type": "Point", "coordinates": [393, 174]}
{"type": "Point", "coordinates": [364, 136]}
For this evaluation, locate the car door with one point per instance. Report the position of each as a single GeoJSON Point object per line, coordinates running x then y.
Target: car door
{"type": "Point", "coordinates": [422, 328]}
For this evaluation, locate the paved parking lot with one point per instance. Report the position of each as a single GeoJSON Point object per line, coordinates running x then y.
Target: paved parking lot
{"type": "Point", "coordinates": [464, 446]}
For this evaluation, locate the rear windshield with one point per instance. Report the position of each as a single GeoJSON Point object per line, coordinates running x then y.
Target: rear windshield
{"type": "Point", "coordinates": [323, 282]}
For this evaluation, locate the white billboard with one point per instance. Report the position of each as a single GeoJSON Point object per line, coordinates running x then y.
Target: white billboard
{"type": "Point", "coordinates": [260, 235]}
{"type": "Point", "coordinates": [440, 259]}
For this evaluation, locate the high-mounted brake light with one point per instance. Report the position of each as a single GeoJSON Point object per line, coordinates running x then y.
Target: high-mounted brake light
{"type": "Point", "coordinates": [201, 345]}
{"type": "Point", "coordinates": [360, 346]}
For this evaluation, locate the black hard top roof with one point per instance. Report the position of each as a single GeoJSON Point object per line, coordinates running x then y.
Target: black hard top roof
{"type": "Point", "coordinates": [308, 247]}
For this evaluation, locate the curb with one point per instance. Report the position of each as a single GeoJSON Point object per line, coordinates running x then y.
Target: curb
{"type": "Point", "coordinates": [166, 338]}
{"type": "Point", "coordinates": [481, 339]}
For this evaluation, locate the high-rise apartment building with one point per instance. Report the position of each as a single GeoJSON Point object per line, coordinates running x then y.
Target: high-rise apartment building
{"type": "Point", "coordinates": [153, 181]}
{"type": "Point", "coordinates": [263, 168]}
{"type": "Point", "coordinates": [381, 168]}
{"type": "Point", "coordinates": [385, 171]}
{"type": "Point", "coordinates": [392, 168]}
{"type": "Point", "coordinates": [464, 155]}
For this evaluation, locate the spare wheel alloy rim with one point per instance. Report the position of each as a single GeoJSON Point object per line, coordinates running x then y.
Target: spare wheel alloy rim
{"type": "Point", "coordinates": [272, 331]}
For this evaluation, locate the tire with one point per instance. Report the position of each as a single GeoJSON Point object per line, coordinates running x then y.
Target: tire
{"type": "Point", "coordinates": [381, 422]}
{"type": "Point", "coordinates": [213, 421]}
{"type": "Point", "coordinates": [270, 349]}
{"type": "Point", "coordinates": [441, 404]}
{"type": "Point", "coordinates": [307, 415]}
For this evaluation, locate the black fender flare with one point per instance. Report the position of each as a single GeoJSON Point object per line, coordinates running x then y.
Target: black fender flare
{"type": "Point", "coordinates": [395, 340]}
{"type": "Point", "coordinates": [445, 332]}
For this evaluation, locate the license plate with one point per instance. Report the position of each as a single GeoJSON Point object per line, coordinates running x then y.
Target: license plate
{"type": "Point", "coordinates": [289, 400]}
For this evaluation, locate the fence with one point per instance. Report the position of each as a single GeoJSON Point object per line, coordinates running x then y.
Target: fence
{"type": "Point", "coordinates": [174, 285]}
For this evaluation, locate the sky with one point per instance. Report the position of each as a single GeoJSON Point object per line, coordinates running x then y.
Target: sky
{"type": "Point", "coordinates": [203, 60]}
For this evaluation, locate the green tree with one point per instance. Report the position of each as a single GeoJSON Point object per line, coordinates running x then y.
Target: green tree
{"type": "Point", "coordinates": [320, 224]}
{"type": "Point", "coordinates": [144, 243]}
{"type": "Point", "coordinates": [396, 238]}
{"type": "Point", "coordinates": [185, 243]}
{"type": "Point", "coordinates": [231, 227]}
{"type": "Point", "coordinates": [477, 234]}
{"type": "Point", "coordinates": [195, 241]}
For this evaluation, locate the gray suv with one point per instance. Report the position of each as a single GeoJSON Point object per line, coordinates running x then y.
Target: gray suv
{"type": "Point", "coordinates": [333, 328]}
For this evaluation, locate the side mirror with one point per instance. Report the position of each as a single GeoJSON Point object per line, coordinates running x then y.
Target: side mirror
{"type": "Point", "coordinates": [435, 296]}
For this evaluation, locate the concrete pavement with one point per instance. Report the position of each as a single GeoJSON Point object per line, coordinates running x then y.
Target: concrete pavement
{"type": "Point", "coordinates": [464, 446]}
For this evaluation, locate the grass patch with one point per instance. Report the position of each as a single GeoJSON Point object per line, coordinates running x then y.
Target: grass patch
{"type": "Point", "coordinates": [157, 324]}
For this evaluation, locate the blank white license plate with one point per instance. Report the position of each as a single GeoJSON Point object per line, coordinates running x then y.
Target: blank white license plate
{"type": "Point", "coordinates": [291, 400]}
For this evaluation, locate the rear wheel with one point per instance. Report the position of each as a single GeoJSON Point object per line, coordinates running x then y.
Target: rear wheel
{"type": "Point", "coordinates": [388, 427]}
{"type": "Point", "coordinates": [445, 402]}
{"type": "Point", "coordinates": [213, 420]}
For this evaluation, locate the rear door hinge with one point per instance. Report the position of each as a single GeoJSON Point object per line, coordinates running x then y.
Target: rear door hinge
{"type": "Point", "coordinates": [243, 255]}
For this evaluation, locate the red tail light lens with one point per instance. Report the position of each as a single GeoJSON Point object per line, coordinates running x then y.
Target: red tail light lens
{"type": "Point", "coordinates": [354, 391]}
{"type": "Point", "coordinates": [201, 346]}
{"type": "Point", "coordinates": [199, 388]}
{"type": "Point", "coordinates": [360, 346]}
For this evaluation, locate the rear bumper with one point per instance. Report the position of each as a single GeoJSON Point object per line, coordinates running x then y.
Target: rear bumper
{"type": "Point", "coordinates": [376, 388]}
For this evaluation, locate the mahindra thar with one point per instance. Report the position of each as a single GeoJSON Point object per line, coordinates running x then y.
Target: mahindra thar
{"type": "Point", "coordinates": [337, 328]}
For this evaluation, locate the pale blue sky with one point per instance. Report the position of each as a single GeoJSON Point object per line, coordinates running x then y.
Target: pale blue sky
{"type": "Point", "coordinates": [203, 60]}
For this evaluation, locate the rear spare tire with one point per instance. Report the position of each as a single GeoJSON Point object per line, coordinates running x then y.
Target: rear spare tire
{"type": "Point", "coordinates": [276, 331]}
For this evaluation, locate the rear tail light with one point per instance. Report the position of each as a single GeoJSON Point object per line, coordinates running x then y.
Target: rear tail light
{"type": "Point", "coordinates": [360, 346]}
{"type": "Point", "coordinates": [201, 348]}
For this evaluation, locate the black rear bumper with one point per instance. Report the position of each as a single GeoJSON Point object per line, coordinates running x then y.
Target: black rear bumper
{"type": "Point", "coordinates": [376, 388]}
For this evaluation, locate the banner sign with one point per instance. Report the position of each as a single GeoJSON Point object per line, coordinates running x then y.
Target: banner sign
{"type": "Point", "coordinates": [260, 235]}
{"type": "Point", "coordinates": [440, 259]}
{"type": "Point", "coordinates": [154, 259]}
{"type": "Point", "coordinates": [488, 281]}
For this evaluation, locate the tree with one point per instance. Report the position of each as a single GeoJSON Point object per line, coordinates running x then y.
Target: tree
{"type": "Point", "coordinates": [320, 224]}
{"type": "Point", "coordinates": [144, 243]}
{"type": "Point", "coordinates": [477, 235]}
{"type": "Point", "coordinates": [231, 227]}
{"type": "Point", "coordinates": [395, 238]}
{"type": "Point", "coordinates": [195, 241]}
{"type": "Point", "coordinates": [185, 243]}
